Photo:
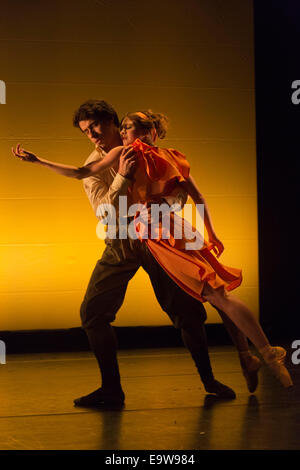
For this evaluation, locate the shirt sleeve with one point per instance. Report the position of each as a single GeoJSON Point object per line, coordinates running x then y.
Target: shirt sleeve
{"type": "Point", "coordinates": [99, 192]}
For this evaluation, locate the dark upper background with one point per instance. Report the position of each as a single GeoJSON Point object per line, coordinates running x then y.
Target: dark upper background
{"type": "Point", "coordinates": [277, 38]}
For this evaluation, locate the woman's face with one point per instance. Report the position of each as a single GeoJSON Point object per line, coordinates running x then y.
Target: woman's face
{"type": "Point", "coordinates": [129, 132]}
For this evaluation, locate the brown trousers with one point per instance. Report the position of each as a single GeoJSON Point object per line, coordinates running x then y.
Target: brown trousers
{"type": "Point", "coordinates": [106, 291]}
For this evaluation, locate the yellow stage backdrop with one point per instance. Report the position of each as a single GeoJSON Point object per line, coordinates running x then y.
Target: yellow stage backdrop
{"type": "Point", "coordinates": [192, 60]}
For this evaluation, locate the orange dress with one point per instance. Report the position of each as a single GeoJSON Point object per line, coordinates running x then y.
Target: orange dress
{"type": "Point", "coordinates": [158, 172]}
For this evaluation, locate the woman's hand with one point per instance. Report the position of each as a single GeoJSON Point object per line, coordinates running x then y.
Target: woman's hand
{"type": "Point", "coordinates": [218, 246]}
{"type": "Point", "coordinates": [24, 154]}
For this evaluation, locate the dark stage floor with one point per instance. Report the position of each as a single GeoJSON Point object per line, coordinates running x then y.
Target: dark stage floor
{"type": "Point", "coordinates": [166, 405]}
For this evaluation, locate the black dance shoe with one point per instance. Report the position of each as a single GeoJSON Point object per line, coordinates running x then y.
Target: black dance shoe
{"type": "Point", "coordinates": [102, 399]}
{"type": "Point", "coordinates": [219, 389]}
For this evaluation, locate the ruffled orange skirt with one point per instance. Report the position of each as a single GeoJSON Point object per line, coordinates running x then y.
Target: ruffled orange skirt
{"type": "Point", "coordinates": [157, 173]}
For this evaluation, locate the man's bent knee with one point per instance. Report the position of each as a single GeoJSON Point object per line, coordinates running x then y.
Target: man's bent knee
{"type": "Point", "coordinates": [93, 315]}
{"type": "Point", "coordinates": [193, 314]}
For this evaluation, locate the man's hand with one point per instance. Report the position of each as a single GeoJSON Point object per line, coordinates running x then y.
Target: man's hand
{"type": "Point", "coordinates": [127, 162]}
{"type": "Point", "coordinates": [24, 154]}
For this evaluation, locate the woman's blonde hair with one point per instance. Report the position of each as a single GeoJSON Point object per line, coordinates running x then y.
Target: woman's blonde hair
{"type": "Point", "coordinates": [149, 120]}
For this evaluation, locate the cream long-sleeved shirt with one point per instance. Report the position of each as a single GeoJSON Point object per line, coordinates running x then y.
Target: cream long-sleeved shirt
{"type": "Point", "coordinates": [107, 186]}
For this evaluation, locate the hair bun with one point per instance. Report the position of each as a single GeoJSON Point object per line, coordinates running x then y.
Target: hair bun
{"type": "Point", "coordinates": [160, 122]}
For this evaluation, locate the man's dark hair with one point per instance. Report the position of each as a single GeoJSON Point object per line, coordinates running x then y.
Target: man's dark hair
{"type": "Point", "coordinates": [98, 110]}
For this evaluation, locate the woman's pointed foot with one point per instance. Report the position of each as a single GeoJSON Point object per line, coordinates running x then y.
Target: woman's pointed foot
{"type": "Point", "coordinates": [275, 358]}
{"type": "Point", "coordinates": [250, 367]}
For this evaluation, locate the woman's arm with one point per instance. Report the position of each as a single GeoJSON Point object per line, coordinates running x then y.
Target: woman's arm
{"type": "Point", "coordinates": [68, 170]}
{"type": "Point", "coordinates": [191, 187]}
{"type": "Point", "coordinates": [100, 165]}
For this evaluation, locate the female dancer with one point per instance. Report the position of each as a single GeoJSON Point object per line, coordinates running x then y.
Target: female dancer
{"type": "Point", "coordinates": [198, 272]}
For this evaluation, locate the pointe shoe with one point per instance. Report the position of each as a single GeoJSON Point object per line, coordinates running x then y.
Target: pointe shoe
{"type": "Point", "coordinates": [275, 358]}
{"type": "Point", "coordinates": [250, 367]}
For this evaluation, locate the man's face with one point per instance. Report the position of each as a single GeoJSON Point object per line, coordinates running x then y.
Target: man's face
{"type": "Point", "coordinates": [100, 133]}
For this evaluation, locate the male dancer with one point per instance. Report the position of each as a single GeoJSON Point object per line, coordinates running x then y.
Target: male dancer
{"type": "Point", "coordinates": [118, 264]}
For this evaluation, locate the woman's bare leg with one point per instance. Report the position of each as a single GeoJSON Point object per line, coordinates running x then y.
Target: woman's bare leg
{"type": "Point", "coordinates": [243, 318]}
{"type": "Point", "coordinates": [250, 364]}
{"type": "Point", "coordinates": [239, 339]}
{"type": "Point", "coordinates": [238, 313]}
